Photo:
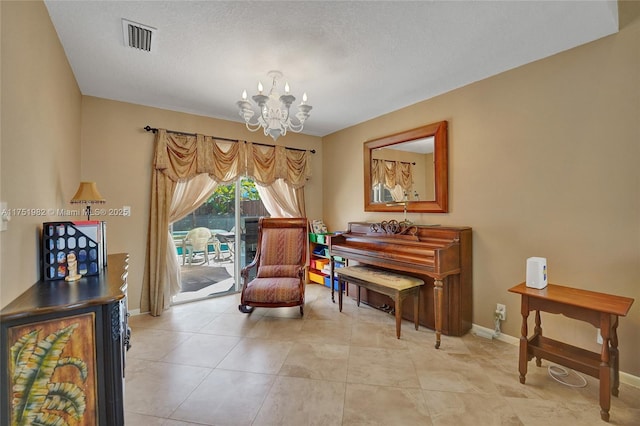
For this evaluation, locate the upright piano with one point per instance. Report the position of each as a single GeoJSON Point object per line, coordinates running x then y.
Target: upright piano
{"type": "Point", "coordinates": [439, 255]}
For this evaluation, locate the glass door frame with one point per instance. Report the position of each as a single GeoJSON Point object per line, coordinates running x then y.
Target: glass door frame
{"type": "Point", "coordinates": [237, 240]}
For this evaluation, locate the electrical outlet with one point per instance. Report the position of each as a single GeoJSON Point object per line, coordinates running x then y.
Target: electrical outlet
{"type": "Point", "coordinates": [501, 311]}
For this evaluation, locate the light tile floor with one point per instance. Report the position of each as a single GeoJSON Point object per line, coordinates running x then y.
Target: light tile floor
{"type": "Point", "coordinates": [205, 363]}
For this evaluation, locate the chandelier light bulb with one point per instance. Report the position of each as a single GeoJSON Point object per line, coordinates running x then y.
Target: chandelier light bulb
{"type": "Point", "coordinates": [304, 98]}
{"type": "Point", "coordinates": [286, 88]}
{"type": "Point", "coordinates": [244, 95]}
{"type": "Point", "coordinates": [260, 87]}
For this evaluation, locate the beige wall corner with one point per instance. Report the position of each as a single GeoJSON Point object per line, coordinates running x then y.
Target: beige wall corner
{"type": "Point", "coordinates": [40, 138]}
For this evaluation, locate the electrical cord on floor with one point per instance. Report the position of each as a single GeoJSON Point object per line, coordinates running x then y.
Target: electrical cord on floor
{"type": "Point", "coordinates": [556, 372]}
{"type": "Point", "coordinates": [496, 328]}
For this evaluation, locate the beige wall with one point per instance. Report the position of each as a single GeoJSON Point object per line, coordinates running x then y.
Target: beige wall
{"type": "Point", "coordinates": [117, 154]}
{"type": "Point", "coordinates": [40, 137]}
{"type": "Point", "coordinates": [543, 162]}
{"type": "Point", "coordinates": [1, 197]}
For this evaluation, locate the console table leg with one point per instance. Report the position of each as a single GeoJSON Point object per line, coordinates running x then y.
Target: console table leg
{"type": "Point", "coordinates": [615, 357]}
{"type": "Point", "coordinates": [537, 330]}
{"type": "Point", "coordinates": [522, 360]}
{"type": "Point", "coordinates": [437, 297]}
{"type": "Point", "coordinates": [340, 284]}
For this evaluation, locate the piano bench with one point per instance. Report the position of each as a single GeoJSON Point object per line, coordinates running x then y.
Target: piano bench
{"type": "Point", "coordinates": [392, 284]}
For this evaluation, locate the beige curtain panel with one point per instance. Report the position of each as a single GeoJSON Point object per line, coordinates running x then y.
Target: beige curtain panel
{"type": "Point", "coordinates": [187, 197]}
{"type": "Point", "coordinates": [180, 157]}
{"type": "Point", "coordinates": [282, 200]}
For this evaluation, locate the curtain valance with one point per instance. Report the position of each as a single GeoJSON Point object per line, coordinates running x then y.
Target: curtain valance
{"type": "Point", "coordinates": [181, 157]}
{"type": "Point", "coordinates": [266, 164]}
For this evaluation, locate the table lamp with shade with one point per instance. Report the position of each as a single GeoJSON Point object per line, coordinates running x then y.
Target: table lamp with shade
{"type": "Point", "coordinates": [88, 194]}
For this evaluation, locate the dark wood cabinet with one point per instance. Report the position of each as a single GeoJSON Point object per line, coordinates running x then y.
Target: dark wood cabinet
{"type": "Point", "coordinates": [64, 349]}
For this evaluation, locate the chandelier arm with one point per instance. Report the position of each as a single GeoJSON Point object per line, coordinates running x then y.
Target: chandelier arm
{"type": "Point", "coordinates": [253, 127]}
{"type": "Point", "coordinates": [295, 127]}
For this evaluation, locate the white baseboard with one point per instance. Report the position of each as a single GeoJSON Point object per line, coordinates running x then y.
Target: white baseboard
{"type": "Point", "coordinates": [488, 333]}
{"type": "Point", "coordinates": [134, 312]}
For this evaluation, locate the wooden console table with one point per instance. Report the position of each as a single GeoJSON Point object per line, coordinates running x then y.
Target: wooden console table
{"type": "Point", "coordinates": [599, 309]}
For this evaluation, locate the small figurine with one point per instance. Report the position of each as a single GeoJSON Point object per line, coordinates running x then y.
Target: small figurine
{"type": "Point", "coordinates": [72, 264]}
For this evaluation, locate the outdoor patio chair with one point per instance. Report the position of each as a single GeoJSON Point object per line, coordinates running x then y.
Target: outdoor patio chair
{"type": "Point", "coordinates": [229, 242]}
{"type": "Point", "coordinates": [197, 241]}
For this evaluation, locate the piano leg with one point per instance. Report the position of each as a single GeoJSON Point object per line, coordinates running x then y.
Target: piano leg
{"type": "Point", "coordinates": [398, 305]}
{"type": "Point", "coordinates": [437, 299]}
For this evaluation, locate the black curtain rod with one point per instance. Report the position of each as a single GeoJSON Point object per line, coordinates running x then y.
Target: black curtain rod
{"type": "Point", "coordinates": [155, 130]}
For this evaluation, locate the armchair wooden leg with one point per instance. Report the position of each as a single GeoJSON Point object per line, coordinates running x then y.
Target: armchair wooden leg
{"type": "Point", "coordinates": [301, 310]}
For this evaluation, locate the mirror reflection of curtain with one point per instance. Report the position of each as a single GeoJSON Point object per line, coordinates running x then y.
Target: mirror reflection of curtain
{"type": "Point", "coordinates": [404, 175]}
{"type": "Point", "coordinates": [396, 176]}
{"type": "Point", "coordinates": [377, 172]}
{"type": "Point", "coordinates": [180, 158]}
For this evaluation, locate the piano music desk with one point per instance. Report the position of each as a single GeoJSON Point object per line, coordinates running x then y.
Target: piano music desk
{"type": "Point", "coordinates": [599, 309]}
{"type": "Point", "coordinates": [388, 283]}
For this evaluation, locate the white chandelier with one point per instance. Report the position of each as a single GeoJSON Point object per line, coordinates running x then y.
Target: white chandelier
{"type": "Point", "coordinates": [274, 114]}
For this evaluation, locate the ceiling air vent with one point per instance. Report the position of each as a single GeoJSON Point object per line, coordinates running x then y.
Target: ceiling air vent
{"type": "Point", "coordinates": [137, 35]}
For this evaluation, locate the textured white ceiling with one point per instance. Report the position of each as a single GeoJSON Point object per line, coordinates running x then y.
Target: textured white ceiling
{"type": "Point", "coordinates": [356, 59]}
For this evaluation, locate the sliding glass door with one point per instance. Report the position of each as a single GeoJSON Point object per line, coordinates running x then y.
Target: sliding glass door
{"type": "Point", "coordinates": [231, 216]}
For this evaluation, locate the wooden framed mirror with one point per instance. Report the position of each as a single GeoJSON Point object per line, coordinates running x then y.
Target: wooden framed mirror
{"type": "Point", "coordinates": [420, 156]}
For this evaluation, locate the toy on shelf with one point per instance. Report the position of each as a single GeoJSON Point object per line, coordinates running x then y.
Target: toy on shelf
{"type": "Point", "coordinates": [72, 264]}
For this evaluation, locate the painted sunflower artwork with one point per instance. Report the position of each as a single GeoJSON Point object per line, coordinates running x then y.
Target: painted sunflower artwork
{"type": "Point", "coordinates": [52, 370]}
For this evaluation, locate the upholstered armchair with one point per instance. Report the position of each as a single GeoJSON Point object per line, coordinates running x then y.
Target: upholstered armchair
{"type": "Point", "coordinates": [280, 262]}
